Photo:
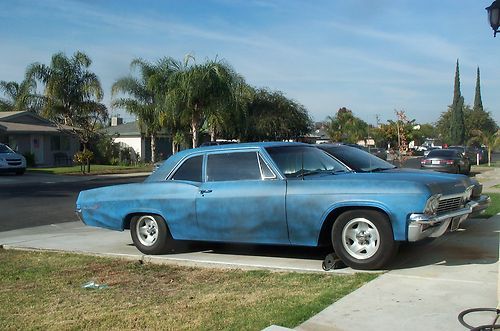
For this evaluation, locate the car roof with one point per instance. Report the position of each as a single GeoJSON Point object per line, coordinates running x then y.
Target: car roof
{"type": "Point", "coordinates": [174, 159]}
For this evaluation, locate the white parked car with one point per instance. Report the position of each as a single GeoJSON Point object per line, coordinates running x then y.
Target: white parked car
{"type": "Point", "coordinates": [11, 161]}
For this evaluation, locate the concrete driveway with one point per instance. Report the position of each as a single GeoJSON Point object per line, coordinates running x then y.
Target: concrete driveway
{"type": "Point", "coordinates": [426, 287]}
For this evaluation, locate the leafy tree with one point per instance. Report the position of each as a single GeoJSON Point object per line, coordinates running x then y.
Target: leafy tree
{"type": "Point", "coordinates": [72, 95]}
{"type": "Point", "coordinates": [457, 126]}
{"type": "Point", "coordinates": [20, 97]}
{"type": "Point", "coordinates": [272, 116]}
{"type": "Point", "coordinates": [144, 96]}
{"type": "Point", "coordinates": [346, 127]}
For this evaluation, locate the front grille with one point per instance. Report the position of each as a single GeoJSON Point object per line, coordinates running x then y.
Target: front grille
{"type": "Point", "coordinates": [14, 162]}
{"type": "Point", "coordinates": [446, 205]}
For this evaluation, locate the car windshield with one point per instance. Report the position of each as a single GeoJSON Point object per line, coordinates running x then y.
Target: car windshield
{"type": "Point", "coordinates": [442, 153]}
{"type": "Point", "coordinates": [357, 159]}
{"type": "Point", "coordinates": [299, 161]}
{"type": "Point", "coordinates": [5, 149]}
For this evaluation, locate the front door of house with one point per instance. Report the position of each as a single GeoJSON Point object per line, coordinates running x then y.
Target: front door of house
{"type": "Point", "coordinates": [37, 148]}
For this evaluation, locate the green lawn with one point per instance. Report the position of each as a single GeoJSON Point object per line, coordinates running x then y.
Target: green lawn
{"type": "Point", "coordinates": [95, 169]}
{"type": "Point", "coordinates": [494, 208]}
{"type": "Point", "coordinates": [41, 290]}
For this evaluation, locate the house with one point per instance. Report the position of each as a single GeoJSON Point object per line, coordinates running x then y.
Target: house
{"type": "Point", "coordinates": [130, 135]}
{"type": "Point", "coordinates": [28, 133]}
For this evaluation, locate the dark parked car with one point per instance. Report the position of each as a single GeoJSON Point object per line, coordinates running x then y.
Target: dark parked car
{"type": "Point", "coordinates": [279, 193]}
{"type": "Point", "coordinates": [447, 160]}
{"type": "Point", "coordinates": [378, 152]}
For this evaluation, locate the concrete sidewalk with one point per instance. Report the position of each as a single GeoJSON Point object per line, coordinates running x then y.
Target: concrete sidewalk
{"type": "Point", "coordinates": [490, 179]}
{"type": "Point", "coordinates": [426, 288]}
{"type": "Point", "coordinates": [426, 291]}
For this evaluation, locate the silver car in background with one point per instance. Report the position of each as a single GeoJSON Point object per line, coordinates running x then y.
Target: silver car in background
{"type": "Point", "coordinates": [11, 161]}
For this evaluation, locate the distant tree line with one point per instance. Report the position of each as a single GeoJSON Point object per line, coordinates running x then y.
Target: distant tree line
{"type": "Point", "coordinates": [183, 97]}
{"type": "Point", "coordinates": [460, 125]}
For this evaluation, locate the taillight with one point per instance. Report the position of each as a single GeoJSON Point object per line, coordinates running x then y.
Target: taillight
{"type": "Point", "coordinates": [449, 162]}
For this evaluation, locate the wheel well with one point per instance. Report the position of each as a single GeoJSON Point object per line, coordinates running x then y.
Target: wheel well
{"type": "Point", "coordinates": [129, 217]}
{"type": "Point", "coordinates": [326, 230]}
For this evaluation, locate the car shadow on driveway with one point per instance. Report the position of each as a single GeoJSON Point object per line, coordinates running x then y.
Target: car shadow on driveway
{"type": "Point", "coordinates": [211, 248]}
{"type": "Point", "coordinates": [476, 242]}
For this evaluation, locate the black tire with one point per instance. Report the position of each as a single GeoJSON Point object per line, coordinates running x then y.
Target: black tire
{"type": "Point", "coordinates": [20, 172]}
{"type": "Point", "coordinates": [377, 253]}
{"type": "Point", "coordinates": [150, 234]}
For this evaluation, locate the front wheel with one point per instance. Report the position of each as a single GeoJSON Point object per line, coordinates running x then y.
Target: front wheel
{"type": "Point", "coordinates": [150, 234]}
{"type": "Point", "coordinates": [363, 239]}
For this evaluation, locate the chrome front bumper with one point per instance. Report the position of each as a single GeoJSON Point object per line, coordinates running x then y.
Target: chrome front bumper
{"type": "Point", "coordinates": [483, 202]}
{"type": "Point", "coordinates": [422, 226]}
{"type": "Point", "coordinates": [78, 213]}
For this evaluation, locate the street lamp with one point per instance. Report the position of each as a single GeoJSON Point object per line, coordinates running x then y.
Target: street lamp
{"type": "Point", "coordinates": [494, 16]}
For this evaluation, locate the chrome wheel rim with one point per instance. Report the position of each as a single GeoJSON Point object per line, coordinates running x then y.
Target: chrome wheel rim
{"type": "Point", "coordinates": [147, 230]}
{"type": "Point", "coordinates": [360, 238]}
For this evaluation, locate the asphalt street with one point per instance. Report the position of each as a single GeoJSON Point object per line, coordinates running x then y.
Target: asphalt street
{"type": "Point", "coordinates": [29, 204]}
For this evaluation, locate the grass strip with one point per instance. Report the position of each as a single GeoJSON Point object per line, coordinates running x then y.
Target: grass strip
{"type": "Point", "coordinates": [494, 207]}
{"type": "Point", "coordinates": [42, 290]}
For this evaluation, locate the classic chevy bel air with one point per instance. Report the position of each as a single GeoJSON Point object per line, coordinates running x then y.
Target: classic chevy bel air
{"type": "Point", "coordinates": [283, 194]}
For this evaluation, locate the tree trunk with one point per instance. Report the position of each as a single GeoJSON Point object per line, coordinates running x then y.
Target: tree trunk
{"type": "Point", "coordinates": [489, 155]}
{"type": "Point", "coordinates": [173, 147]}
{"type": "Point", "coordinates": [153, 148]}
{"type": "Point", "coordinates": [212, 134]}
{"type": "Point", "coordinates": [194, 125]}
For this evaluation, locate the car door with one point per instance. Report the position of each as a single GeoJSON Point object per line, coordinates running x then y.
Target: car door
{"type": "Point", "coordinates": [177, 198]}
{"type": "Point", "coordinates": [241, 200]}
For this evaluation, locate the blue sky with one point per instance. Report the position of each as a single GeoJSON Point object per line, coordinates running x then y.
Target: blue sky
{"type": "Point", "coordinates": [370, 56]}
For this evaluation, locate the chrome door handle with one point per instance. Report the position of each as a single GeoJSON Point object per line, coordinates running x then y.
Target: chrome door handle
{"type": "Point", "coordinates": [205, 191]}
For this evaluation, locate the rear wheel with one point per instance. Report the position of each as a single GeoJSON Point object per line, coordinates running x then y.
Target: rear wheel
{"type": "Point", "coordinates": [363, 239]}
{"type": "Point", "coordinates": [150, 234]}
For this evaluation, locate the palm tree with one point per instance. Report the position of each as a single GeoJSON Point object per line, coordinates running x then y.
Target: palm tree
{"type": "Point", "coordinates": [72, 95]}
{"type": "Point", "coordinates": [145, 96]}
{"type": "Point", "coordinates": [201, 92]}
{"type": "Point", "coordinates": [20, 97]}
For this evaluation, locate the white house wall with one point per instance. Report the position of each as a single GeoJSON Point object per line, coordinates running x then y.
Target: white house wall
{"type": "Point", "coordinates": [134, 142]}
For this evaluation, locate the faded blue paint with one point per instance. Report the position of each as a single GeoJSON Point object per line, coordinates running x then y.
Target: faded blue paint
{"type": "Point", "coordinates": [243, 211]}
{"type": "Point", "coordinates": [277, 211]}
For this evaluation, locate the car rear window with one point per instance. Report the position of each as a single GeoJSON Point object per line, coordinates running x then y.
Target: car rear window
{"type": "Point", "coordinates": [190, 170]}
{"type": "Point", "coordinates": [442, 153]}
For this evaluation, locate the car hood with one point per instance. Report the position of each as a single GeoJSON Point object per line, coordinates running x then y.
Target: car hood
{"type": "Point", "coordinates": [11, 155]}
{"type": "Point", "coordinates": [403, 180]}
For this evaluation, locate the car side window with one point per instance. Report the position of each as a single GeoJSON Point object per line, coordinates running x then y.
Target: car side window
{"type": "Point", "coordinates": [233, 166]}
{"type": "Point", "coordinates": [190, 170]}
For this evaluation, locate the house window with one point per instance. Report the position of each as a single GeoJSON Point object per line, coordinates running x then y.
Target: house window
{"type": "Point", "coordinates": [59, 143]}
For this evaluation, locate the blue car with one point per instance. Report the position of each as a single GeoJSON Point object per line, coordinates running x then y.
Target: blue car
{"type": "Point", "coordinates": [283, 194]}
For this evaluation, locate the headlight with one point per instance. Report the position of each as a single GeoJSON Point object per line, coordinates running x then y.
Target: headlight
{"type": "Point", "coordinates": [432, 204]}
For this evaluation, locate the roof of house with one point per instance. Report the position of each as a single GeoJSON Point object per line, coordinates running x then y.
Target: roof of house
{"type": "Point", "coordinates": [130, 129]}
{"type": "Point", "coordinates": [28, 122]}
